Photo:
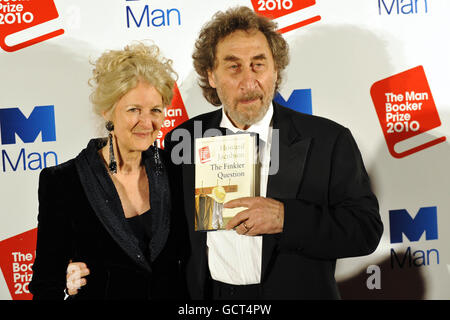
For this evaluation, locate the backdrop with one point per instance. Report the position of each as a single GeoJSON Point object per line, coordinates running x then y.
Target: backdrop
{"type": "Point", "coordinates": [379, 67]}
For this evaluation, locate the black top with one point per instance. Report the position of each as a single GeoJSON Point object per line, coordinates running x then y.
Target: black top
{"type": "Point", "coordinates": [141, 227]}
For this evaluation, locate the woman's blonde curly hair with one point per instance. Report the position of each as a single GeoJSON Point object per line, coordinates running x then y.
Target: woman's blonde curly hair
{"type": "Point", "coordinates": [118, 71]}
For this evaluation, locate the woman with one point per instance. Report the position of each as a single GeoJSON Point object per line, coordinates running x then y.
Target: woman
{"type": "Point", "coordinates": [110, 206]}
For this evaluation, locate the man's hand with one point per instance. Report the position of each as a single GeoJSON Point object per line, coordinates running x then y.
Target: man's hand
{"type": "Point", "coordinates": [262, 216]}
{"type": "Point", "coordinates": [76, 271]}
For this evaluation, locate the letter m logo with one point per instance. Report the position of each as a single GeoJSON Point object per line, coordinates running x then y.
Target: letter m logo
{"type": "Point", "coordinates": [299, 100]}
{"type": "Point", "coordinates": [41, 119]}
{"type": "Point", "coordinates": [400, 222]}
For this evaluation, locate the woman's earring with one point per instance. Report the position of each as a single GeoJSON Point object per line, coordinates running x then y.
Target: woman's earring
{"type": "Point", "coordinates": [112, 160]}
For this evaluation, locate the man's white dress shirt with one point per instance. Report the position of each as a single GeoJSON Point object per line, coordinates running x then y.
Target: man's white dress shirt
{"type": "Point", "coordinates": [234, 258]}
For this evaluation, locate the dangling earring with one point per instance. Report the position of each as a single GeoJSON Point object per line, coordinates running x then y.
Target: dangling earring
{"type": "Point", "coordinates": [156, 159]}
{"type": "Point", "coordinates": [112, 160]}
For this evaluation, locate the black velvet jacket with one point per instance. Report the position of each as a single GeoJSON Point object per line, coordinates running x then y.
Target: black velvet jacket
{"type": "Point", "coordinates": [81, 219]}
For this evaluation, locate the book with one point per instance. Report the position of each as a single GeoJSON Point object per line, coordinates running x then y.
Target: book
{"type": "Point", "coordinates": [226, 168]}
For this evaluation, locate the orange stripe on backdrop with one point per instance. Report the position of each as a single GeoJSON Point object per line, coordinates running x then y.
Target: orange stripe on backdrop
{"type": "Point", "coordinates": [299, 24]}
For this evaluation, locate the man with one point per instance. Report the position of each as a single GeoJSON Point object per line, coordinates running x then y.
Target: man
{"type": "Point", "coordinates": [318, 207]}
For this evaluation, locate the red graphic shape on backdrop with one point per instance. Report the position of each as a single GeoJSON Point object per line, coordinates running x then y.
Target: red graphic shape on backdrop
{"type": "Point", "coordinates": [20, 15]}
{"type": "Point", "coordinates": [175, 114]}
{"type": "Point", "coordinates": [273, 9]}
{"type": "Point", "coordinates": [405, 108]}
{"type": "Point", "coordinates": [17, 257]}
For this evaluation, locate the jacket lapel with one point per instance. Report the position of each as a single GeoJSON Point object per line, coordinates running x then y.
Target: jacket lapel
{"type": "Point", "coordinates": [293, 152]}
{"type": "Point", "coordinates": [160, 203]}
{"type": "Point", "coordinates": [105, 202]}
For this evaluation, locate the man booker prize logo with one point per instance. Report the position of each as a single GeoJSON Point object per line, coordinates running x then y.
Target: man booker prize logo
{"type": "Point", "coordinates": [21, 22]}
{"type": "Point", "coordinates": [13, 124]}
{"type": "Point", "coordinates": [18, 254]}
{"type": "Point", "coordinates": [406, 111]}
{"type": "Point", "coordinates": [275, 9]}
{"type": "Point", "coordinates": [405, 227]}
{"type": "Point", "coordinates": [411, 228]}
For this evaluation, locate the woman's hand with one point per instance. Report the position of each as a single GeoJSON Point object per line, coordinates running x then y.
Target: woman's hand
{"type": "Point", "coordinates": [76, 271]}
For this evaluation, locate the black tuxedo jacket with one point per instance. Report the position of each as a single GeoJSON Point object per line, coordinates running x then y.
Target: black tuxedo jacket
{"type": "Point", "coordinates": [330, 210]}
{"type": "Point", "coordinates": [81, 219]}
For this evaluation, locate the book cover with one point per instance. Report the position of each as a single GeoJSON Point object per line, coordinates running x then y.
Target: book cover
{"type": "Point", "coordinates": [226, 168]}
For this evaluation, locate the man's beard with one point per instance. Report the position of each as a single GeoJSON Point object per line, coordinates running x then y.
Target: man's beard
{"type": "Point", "coordinates": [239, 116]}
